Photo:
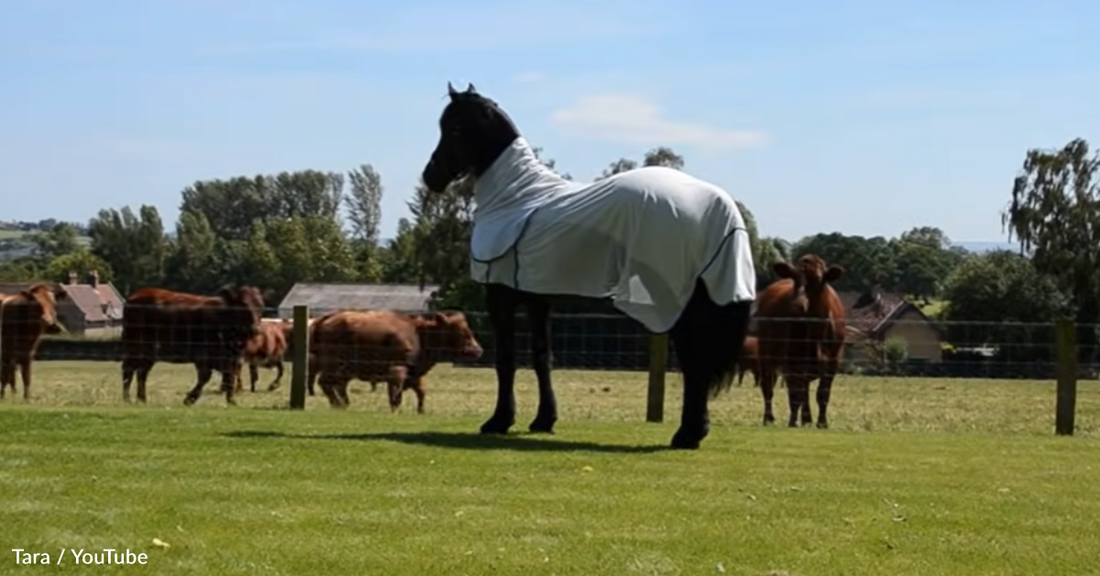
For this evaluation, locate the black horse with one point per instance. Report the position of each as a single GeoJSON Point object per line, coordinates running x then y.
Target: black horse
{"type": "Point", "coordinates": [707, 337]}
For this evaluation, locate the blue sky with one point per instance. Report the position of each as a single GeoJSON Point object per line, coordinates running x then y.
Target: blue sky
{"type": "Point", "coordinates": [856, 116]}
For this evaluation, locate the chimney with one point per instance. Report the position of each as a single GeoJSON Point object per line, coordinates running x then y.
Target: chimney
{"type": "Point", "coordinates": [74, 279]}
{"type": "Point", "coordinates": [93, 278]}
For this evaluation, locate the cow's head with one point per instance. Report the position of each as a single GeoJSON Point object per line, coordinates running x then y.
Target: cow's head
{"type": "Point", "coordinates": [244, 308]}
{"type": "Point", "coordinates": [44, 298]}
{"type": "Point", "coordinates": [446, 335]}
{"type": "Point", "coordinates": [809, 274]}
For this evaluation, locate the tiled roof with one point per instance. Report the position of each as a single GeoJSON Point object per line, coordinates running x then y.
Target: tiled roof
{"type": "Point", "coordinates": [322, 298]}
{"type": "Point", "coordinates": [99, 304]}
{"type": "Point", "coordinates": [869, 313]}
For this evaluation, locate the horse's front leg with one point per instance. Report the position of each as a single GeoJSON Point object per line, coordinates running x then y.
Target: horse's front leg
{"type": "Point", "coordinates": [501, 302]}
{"type": "Point", "coordinates": [538, 312]}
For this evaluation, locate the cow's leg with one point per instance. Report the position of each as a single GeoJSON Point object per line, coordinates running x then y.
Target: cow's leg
{"type": "Point", "coordinates": [395, 384]}
{"type": "Point", "coordinates": [278, 377]}
{"type": "Point", "coordinates": [143, 369]}
{"type": "Point", "coordinates": [395, 390]}
{"type": "Point", "coordinates": [204, 373]}
{"type": "Point", "coordinates": [824, 390]}
{"type": "Point", "coordinates": [127, 378]}
{"type": "Point", "coordinates": [7, 376]}
{"type": "Point", "coordinates": [341, 390]}
{"type": "Point", "coordinates": [238, 384]}
{"type": "Point", "coordinates": [231, 373]}
{"type": "Point", "coordinates": [311, 375]}
{"type": "Point", "coordinates": [538, 312]}
{"type": "Point", "coordinates": [373, 386]}
{"type": "Point", "coordinates": [418, 389]}
{"type": "Point", "coordinates": [768, 377]}
{"type": "Point", "coordinates": [253, 375]}
{"type": "Point", "coordinates": [25, 371]}
{"type": "Point", "coordinates": [329, 384]}
{"type": "Point", "coordinates": [502, 302]}
{"type": "Point", "coordinates": [798, 397]}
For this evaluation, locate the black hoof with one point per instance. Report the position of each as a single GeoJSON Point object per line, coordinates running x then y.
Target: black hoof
{"type": "Point", "coordinates": [681, 441]}
{"type": "Point", "coordinates": [189, 400]}
{"type": "Point", "coordinates": [495, 427]}
{"type": "Point", "coordinates": [822, 425]}
{"type": "Point", "coordinates": [541, 427]}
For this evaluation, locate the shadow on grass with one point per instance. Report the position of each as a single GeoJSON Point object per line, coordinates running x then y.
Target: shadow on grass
{"type": "Point", "coordinates": [522, 442]}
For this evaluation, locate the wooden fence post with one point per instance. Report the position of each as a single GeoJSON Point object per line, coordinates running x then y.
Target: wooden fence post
{"type": "Point", "coordinates": [1066, 403]}
{"type": "Point", "coordinates": [300, 368]}
{"type": "Point", "coordinates": [658, 365]}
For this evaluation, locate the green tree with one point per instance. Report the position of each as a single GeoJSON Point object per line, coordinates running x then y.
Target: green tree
{"type": "Point", "coordinates": [398, 259]}
{"type": "Point", "coordinates": [663, 156]}
{"type": "Point", "coordinates": [134, 246]}
{"type": "Point", "coordinates": [364, 204]}
{"type": "Point", "coordinates": [231, 206]}
{"type": "Point", "coordinates": [193, 265]}
{"type": "Point", "coordinates": [62, 239]}
{"type": "Point", "coordinates": [1054, 214]}
{"type": "Point", "coordinates": [870, 263]}
{"type": "Point", "coordinates": [22, 269]}
{"type": "Point", "coordinates": [81, 261]}
{"type": "Point", "coordinates": [1000, 299]}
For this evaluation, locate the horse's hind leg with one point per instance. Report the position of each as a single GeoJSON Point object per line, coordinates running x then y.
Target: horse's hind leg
{"type": "Point", "coordinates": [502, 302]}
{"type": "Point", "coordinates": [708, 340]}
{"type": "Point", "coordinates": [538, 311]}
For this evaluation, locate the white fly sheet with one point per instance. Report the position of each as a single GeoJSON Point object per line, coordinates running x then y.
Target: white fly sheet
{"type": "Point", "coordinates": [641, 237]}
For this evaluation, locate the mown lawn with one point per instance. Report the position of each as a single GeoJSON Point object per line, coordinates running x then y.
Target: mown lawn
{"type": "Point", "coordinates": [914, 477]}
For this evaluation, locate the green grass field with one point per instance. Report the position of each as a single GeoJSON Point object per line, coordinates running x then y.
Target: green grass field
{"type": "Point", "coordinates": [914, 477]}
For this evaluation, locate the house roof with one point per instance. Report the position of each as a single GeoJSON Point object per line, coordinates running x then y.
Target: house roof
{"type": "Point", "coordinates": [323, 298]}
{"type": "Point", "coordinates": [99, 303]}
{"type": "Point", "coordinates": [870, 313]}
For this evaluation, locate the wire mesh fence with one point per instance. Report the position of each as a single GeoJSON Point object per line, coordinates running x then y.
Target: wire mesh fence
{"type": "Point", "coordinates": [902, 348]}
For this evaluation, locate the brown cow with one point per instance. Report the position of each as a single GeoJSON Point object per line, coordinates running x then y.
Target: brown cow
{"type": "Point", "coordinates": [749, 361]}
{"type": "Point", "coordinates": [389, 346]}
{"type": "Point", "coordinates": [267, 349]}
{"type": "Point", "coordinates": [208, 331]}
{"type": "Point", "coordinates": [801, 334]}
{"type": "Point", "coordinates": [24, 317]}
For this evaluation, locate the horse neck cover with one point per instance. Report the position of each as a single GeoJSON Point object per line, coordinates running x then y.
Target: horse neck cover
{"type": "Point", "coordinates": [642, 237]}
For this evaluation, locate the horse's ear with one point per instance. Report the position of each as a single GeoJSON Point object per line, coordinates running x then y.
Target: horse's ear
{"type": "Point", "coordinates": [451, 91]}
{"type": "Point", "coordinates": [470, 88]}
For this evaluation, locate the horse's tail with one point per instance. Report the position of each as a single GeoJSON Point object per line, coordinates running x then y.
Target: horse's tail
{"type": "Point", "coordinates": [724, 346]}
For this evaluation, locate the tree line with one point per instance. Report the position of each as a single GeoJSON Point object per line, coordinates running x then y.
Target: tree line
{"type": "Point", "coordinates": [312, 226]}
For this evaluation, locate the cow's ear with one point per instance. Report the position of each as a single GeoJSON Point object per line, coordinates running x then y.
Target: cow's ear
{"type": "Point", "coordinates": [783, 270]}
{"type": "Point", "coordinates": [834, 273]}
{"type": "Point", "coordinates": [229, 293]}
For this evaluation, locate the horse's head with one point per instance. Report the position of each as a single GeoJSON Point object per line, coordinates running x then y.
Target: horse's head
{"type": "Point", "coordinates": [473, 131]}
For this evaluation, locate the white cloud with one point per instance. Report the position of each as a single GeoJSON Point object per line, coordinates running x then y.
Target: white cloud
{"type": "Point", "coordinates": [529, 77]}
{"type": "Point", "coordinates": [638, 121]}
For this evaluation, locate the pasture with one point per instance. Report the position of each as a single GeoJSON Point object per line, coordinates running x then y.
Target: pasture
{"type": "Point", "coordinates": [914, 477]}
